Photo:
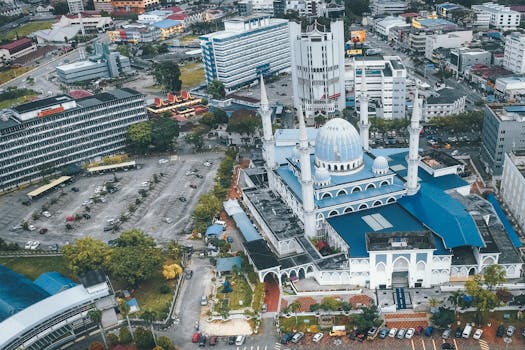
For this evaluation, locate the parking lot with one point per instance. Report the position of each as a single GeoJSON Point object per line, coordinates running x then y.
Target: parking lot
{"type": "Point", "coordinates": [164, 212]}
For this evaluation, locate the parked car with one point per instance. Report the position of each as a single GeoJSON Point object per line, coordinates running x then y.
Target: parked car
{"type": "Point", "coordinates": [410, 333]}
{"type": "Point", "coordinates": [383, 333]}
{"type": "Point", "coordinates": [240, 340]}
{"type": "Point", "coordinates": [297, 337]}
{"type": "Point", "coordinates": [182, 199]}
{"type": "Point", "coordinates": [286, 337]}
{"type": "Point", "coordinates": [429, 330]}
{"type": "Point", "coordinates": [478, 333]}
{"type": "Point", "coordinates": [229, 239]}
{"type": "Point", "coordinates": [500, 331]}
{"type": "Point", "coordinates": [447, 346]}
{"type": "Point", "coordinates": [46, 214]}
{"type": "Point", "coordinates": [419, 330]}
{"type": "Point", "coordinates": [31, 227]}
{"type": "Point", "coordinates": [189, 274]}
{"type": "Point", "coordinates": [401, 333]}
{"type": "Point", "coordinates": [43, 231]}
{"type": "Point", "coordinates": [35, 245]}
{"type": "Point", "coordinates": [372, 331]}
{"type": "Point", "coordinates": [352, 335]}
{"type": "Point", "coordinates": [231, 340]}
{"type": "Point", "coordinates": [392, 332]}
{"type": "Point", "coordinates": [204, 300]}
{"type": "Point", "coordinates": [28, 245]}
{"type": "Point", "coordinates": [86, 216]}
{"type": "Point", "coordinates": [213, 340]}
{"type": "Point", "coordinates": [446, 333]}
{"type": "Point", "coordinates": [202, 341]}
{"type": "Point", "coordinates": [195, 337]}
{"type": "Point", "coordinates": [510, 331]}
{"type": "Point", "coordinates": [459, 332]}
{"type": "Point", "coordinates": [193, 186]}
{"type": "Point", "coordinates": [317, 337]}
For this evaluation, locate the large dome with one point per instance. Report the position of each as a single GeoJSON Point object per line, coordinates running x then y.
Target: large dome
{"type": "Point", "coordinates": [338, 147]}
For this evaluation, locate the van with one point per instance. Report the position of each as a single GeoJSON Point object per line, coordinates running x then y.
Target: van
{"type": "Point", "coordinates": [220, 222]}
{"type": "Point", "coordinates": [467, 331]}
{"type": "Point", "coordinates": [240, 340]}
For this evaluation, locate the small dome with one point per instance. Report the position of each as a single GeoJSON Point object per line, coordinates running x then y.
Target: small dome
{"type": "Point", "coordinates": [322, 176]}
{"type": "Point", "coordinates": [380, 165]}
{"type": "Point", "coordinates": [338, 146]}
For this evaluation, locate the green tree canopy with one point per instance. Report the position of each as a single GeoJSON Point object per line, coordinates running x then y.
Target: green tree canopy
{"type": "Point", "coordinates": [494, 275]}
{"type": "Point", "coordinates": [483, 299]}
{"type": "Point", "coordinates": [167, 74]}
{"type": "Point", "coordinates": [443, 318]}
{"type": "Point", "coordinates": [144, 339]}
{"type": "Point", "coordinates": [196, 138]}
{"type": "Point", "coordinates": [244, 122]}
{"type": "Point", "coordinates": [216, 89]}
{"type": "Point", "coordinates": [164, 130]}
{"type": "Point", "coordinates": [123, 50]}
{"type": "Point", "coordinates": [60, 8]}
{"type": "Point", "coordinates": [135, 238]}
{"type": "Point", "coordinates": [139, 137]}
{"type": "Point", "coordinates": [207, 207]}
{"type": "Point", "coordinates": [86, 254]}
{"type": "Point", "coordinates": [165, 343]}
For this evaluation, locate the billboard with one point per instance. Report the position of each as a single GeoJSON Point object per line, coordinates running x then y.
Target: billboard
{"type": "Point", "coordinates": [355, 52]}
{"type": "Point", "coordinates": [50, 111]}
{"type": "Point", "coordinates": [358, 36]}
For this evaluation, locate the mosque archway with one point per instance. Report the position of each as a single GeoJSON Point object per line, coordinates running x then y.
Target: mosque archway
{"type": "Point", "coordinates": [363, 206]}
{"type": "Point", "coordinates": [380, 267]}
{"type": "Point", "coordinates": [293, 275]}
{"type": "Point", "coordinates": [356, 189]}
{"type": "Point", "coordinates": [400, 264]}
{"type": "Point", "coordinates": [472, 271]}
{"type": "Point", "coordinates": [420, 266]}
{"type": "Point", "coordinates": [302, 274]}
{"type": "Point", "coordinates": [341, 192]}
{"type": "Point", "coordinates": [369, 186]}
{"type": "Point", "coordinates": [391, 200]}
{"type": "Point", "coordinates": [384, 183]}
{"type": "Point", "coordinates": [272, 291]}
{"type": "Point", "coordinates": [377, 203]}
{"type": "Point", "coordinates": [326, 195]}
{"type": "Point", "coordinates": [333, 213]}
{"type": "Point", "coordinates": [348, 210]}
{"type": "Point", "coordinates": [309, 269]}
{"type": "Point", "coordinates": [489, 261]}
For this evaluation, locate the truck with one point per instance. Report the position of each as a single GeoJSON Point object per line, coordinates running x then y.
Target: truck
{"type": "Point", "coordinates": [466, 331]}
{"type": "Point", "coordinates": [338, 331]}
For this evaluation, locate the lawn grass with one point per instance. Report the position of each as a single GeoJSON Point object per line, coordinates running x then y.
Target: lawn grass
{"type": "Point", "coordinates": [32, 267]}
{"type": "Point", "coordinates": [188, 39]}
{"type": "Point", "coordinates": [12, 73]}
{"type": "Point", "coordinates": [149, 297]}
{"type": "Point", "coordinates": [26, 29]}
{"type": "Point", "coordinates": [302, 325]}
{"type": "Point", "coordinates": [16, 101]}
{"type": "Point", "coordinates": [241, 291]}
{"type": "Point", "coordinates": [495, 318]}
{"type": "Point", "coordinates": [191, 74]}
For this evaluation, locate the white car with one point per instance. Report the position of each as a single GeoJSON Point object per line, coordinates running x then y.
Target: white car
{"type": "Point", "coordinates": [31, 227]}
{"type": "Point", "coordinates": [145, 183]}
{"type": "Point", "coordinates": [35, 245]}
{"type": "Point", "coordinates": [28, 245]}
{"type": "Point", "coordinates": [46, 214]}
{"type": "Point", "coordinates": [392, 332]}
{"type": "Point", "coordinates": [478, 333]}
{"type": "Point", "coordinates": [410, 333]}
{"type": "Point", "coordinates": [163, 161]}
{"type": "Point", "coordinates": [208, 164]}
{"type": "Point", "coordinates": [317, 337]}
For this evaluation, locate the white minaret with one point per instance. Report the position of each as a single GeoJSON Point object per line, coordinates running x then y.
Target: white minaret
{"type": "Point", "coordinates": [307, 185]}
{"type": "Point", "coordinates": [413, 156]}
{"type": "Point", "coordinates": [266, 116]}
{"type": "Point", "coordinates": [364, 126]}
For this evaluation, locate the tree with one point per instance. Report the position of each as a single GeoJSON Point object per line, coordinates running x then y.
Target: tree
{"type": "Point", "coordinates": [96, 346]}
{"type": "Point", "coordinates": [244, 122]}
{"type": "Point", "coordinates": [175, 250]}
{"type": "Point", "coordinates": [221, 117]}
{"type": "Point", "coordinates": [196, 138]}
{"type": "Point", "coordinates": [433, 303]}
{"type": "Point", "coordinates": [216, 89]}
{"type": "Point", "coordinates": [164, 131]}
{"type": "Point", "coordinates": [123, 50]}
{"type": "Point", "coordinates": [167, 74]}
{"type": "Point", "coordinates": [443, 318]}
{"type": "Point", "coordinates": [165, 343]}
{"type": "Point", "coordinates": [294, 307]}
{"type": "Point", "coordinates": [170, 271]}
{"type": "Point", "coordinates": [368, 318]}
{"type": "Point", "coordinates": [124, 311]}
{"type": "Point", "coordinates": [149, 317]}
{"type": "Point", "coordinates": [135, 238]}
{"type": "Point", "coordinates": [86, 254]}
{"type": "Point", "coordinates": [205, 210]}
{"type": "Point", "coordinates": [60, 8]}
{"type": "Point", "coordinates": [139, 136]}
{"type": "Point", "coordinates": [494, 275]}
{"type": "Point", "coordinates": [113, 339]}
{"type": "Point", "coordinates": [125, 335]}
{"type": "Point", "coordinates": [330, 303]}
{"type": "Point", "coordinates": [454, 298]}
{"type": "Point", "coordinates": [144, 339]}
{"type": "Point", "coordinates": [484, 300]}
{"type": "Point", "coordinates": [95, 315]}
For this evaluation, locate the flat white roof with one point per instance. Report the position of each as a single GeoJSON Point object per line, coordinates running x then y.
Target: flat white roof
{"type": "Point", "coordinates": [111, 166]}
{"type": "Point", "coordinates": [74, 65]}
{"type": "Point", "coordinates": [32, 316]}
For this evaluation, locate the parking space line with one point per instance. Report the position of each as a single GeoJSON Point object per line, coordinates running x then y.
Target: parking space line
{"type": "Point", "coordinates": [455, 344]}
{"type": "Point", "coordinates": [413, 346]}
{"type": "Point", "coordinates": [434, 344]}
{"type": "Point", "coordinates": [423, 343]}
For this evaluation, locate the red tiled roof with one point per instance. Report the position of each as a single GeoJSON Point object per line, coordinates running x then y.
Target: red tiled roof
{"type": "Point", "coordinates": [178, 16]}
{"type": "Point", "coordinates": [14, 44]}
{"type": "Point", "coordinates": [408, 14]}
{"type": "Point", "coordinates": [519, 8]}
{"type": "Point", "coordinates": [174, 9]}
{"type": "Point", "coordinates": [76, 94]}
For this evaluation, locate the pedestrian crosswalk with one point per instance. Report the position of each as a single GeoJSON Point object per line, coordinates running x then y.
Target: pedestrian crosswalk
{"type": "Point", "coordinates": [484, 345]}
{"type": "Point", "coordinates": [277, 346]}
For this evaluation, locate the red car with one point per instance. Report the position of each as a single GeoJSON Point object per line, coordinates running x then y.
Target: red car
{"type": "Point", "coordinates": [195, 337]}
{"type": "Point", "coordinates": [213, 340]}
{"type": "Point", "coordinates": [419, 330]}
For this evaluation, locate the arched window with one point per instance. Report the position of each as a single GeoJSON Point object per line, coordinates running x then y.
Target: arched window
{"type": "Point", "coordinates": [356, 189]}
{"type": "Point", "coordinates": [391, 200]}
{"type": "Point", "coordinates": [363, 206]}
{"type": "Point", "coordinates": [369, 186]}
{"type": "Point", "coordinates": [380, 267]}
{"type": "Point", "coordinates": [377, 203]}
{"type": "Point", "coordinates": [348, 210]}
{"type": "Point", "coordinates": [327, 195]}
{"type": "Point", "coordinates": [333, 213]}
{"type": "Point", "coordinates": [341, 192]}
{"type": "Point", "coordinates": [384, 183]}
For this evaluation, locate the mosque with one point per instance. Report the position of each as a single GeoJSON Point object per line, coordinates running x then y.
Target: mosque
{"type": "Point", "coordinates": [329, 208]}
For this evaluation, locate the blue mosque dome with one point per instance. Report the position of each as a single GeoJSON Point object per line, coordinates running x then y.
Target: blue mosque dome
{"type": "Point", "coordinates": [380, 165]}
{"type": "Point", "coordinates": [338, 147]}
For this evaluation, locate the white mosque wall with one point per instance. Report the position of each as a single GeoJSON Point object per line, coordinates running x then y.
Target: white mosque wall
{"type": "Point", "coordinates": [513, 270]}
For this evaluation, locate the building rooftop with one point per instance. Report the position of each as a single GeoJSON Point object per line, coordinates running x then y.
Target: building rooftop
{"type": "Point", "coordinates": [14, 44]}
{"type": "Point", "coordinates": [260, 254]}
{"type": "Point", "coordinates": [399, 240]}
{"type": "Point", "coordinates": [227, 264]}
{"type": "Point", "coordinates": [167, 23]}
{"type": "Point", "coordinates": [438, 160]}
{"type": "Point", "coordinates": [509, 113]}
{"type": "Point", "coordinates": [53, 282]}
{"type": "Point", "coordinates": [445, 96]}
{"type": "Point", "coordinates": [42, 103]}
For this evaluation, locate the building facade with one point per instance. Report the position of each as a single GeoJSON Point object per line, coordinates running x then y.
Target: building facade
{"type": "Point", "coordinates": [448, 40]}
{"type": "Point", "coordinates": [318, 70]}
{"type": "Point", "coordinates": [245, 49]}
{"type": "Point", "coordinates": [103, 5]}
{"type": "Point", "coordinates": [75, 6]}
{"type": "Point", "coordinates": [445, 102]}
{"type": "Point", "coordinates": [503, 132]}
{"type": "Point", "coordinates": [514, 55]}
{"type": "Point", "coordinates": [461, 59]}
{"type": "Point", "coordinates": [513, 185]}
{"type": "Point", "coordinates": [58, 131]}
{"type": "Point", "coordinates": [386, 80]}
{"type": "Point", "coordinates": [17, 48]}
{"type": "Point", "coordinates": [134, 6]}
{"type": "Point", "coordinates": [134, 34]}
{"type": "Point", "coordinates": [510, 89]}
{"type": "Point", "coordinates": [393, 7]}
{"type": "Point", "coordinates": [500, 17]}
{"type": "Point", "coordinates": [383, 26]}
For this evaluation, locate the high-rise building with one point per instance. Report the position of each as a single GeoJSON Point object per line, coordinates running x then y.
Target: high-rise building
{"type": "Point", "coordinates": [75, 6]}
{"type": "Point", "coordinates": [501, 17]}
{"type": "Point", "coordinates": [245, 49]}
{"type": "Point", "coordinates": [514, 56]}
{"type": "Point", "coordinates": [318, 69]}
{"type": "Point", "coordinates": [386, 78]}
{"type": "Point", "coordinates": [503, 132]}
{"type": "Point", "coordinates": [279, 8]}
{"type": "Point", "coordinates": [513, 185]}
{"type": "Point", "coordinates": [58, 131]}
{"type": "Point", "coordinates": [134, 6]}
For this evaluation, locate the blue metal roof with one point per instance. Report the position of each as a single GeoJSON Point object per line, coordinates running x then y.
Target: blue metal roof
{"type": "Point", "coordinates": [508, 227]}
{"type": "Point", "coordinates": [246, 227]}
{"type": "Point", "coordinates": [17, 292]}
{"type": "Point", "coordinates": [515, 108]}
{"type": "Point", "coordinates": [166, 23]}
{"type": "Point", "coordinates": [227, 264]}
{"type": "Point", "coordinates": [352, 228]}
{"type": "Point", "coordinates": [53, 282]}
{"type": "Point", "coordinates": [214, 230]}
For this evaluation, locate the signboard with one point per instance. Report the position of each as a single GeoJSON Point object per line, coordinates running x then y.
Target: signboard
{"type": "Point", "coordinates": [354, 52]}
{"type": "Point", "coordinates": [51, 111]}
{"type": "Point", "coordinates": [358, 36]}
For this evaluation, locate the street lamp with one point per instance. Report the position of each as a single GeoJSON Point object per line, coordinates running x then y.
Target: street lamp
{"type": "Point", "coordinates": [507, 341]}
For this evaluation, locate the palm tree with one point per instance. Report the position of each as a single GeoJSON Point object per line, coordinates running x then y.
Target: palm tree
{"type": "Point", "coordinates": [434, 304]}
{"type": "Point", "coordinates": [124, 310]}
{"type": "Point", "coordinates": [454, 299]}
{"type": "Point", "coordinates": [149, 316]}
{"type": "Point", "coordinates": [294, 307]}
{"type": "Point", "coordinates": [95, 315]}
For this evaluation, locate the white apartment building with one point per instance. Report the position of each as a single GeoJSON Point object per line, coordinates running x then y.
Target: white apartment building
{"type": "Point", "coordinates": [513, 185]}
{"type": "Point", "coordinates": [381, 7]}
{"type": "Point", "coordinates": [386, 80]}
{"type": "Point", "coordinates": [245, 49]}
{"type": "Point", "coordinates": [383, 26]}
{"type": "Point", "coordinates": [510, 88]}
{"type": "Point", "coordinates": [444, 102]}
{"type": "Point", "coordinates": [318, 69]}
{"type": "Point", "coordinates": [448, 40]}
{"type": "Point", "coordinates": [514, 58]}
{"type": "Point", "coordinates": [58, 131]}
{"type": "Point", "coordinates": [75, 6]}
{"type": "Point", "coordinates": [501, 17]}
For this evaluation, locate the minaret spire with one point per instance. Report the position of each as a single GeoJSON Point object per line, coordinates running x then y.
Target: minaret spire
{"type": "Point", "coordinates": [266, 117]}
{"type": "Point", "coordinates": [307, 185]}
{"type": "Point", "coordinates": [413, 156]}
{"type": "Point", "coordinates": [364, 126]}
